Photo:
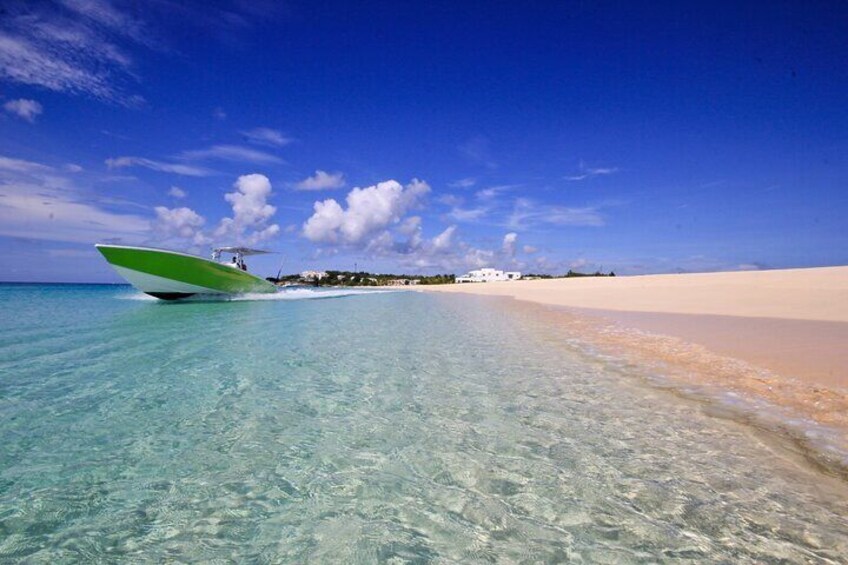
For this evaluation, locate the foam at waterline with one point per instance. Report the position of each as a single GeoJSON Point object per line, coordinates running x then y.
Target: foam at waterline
{"type": "Point", "coordinates": [309, 294]}
{"type": "Point", "coordinates": [283, 294]}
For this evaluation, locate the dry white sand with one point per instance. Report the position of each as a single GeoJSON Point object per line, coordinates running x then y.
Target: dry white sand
{"type": "Point", "coordinates": [792, 322]}
{"type": "Point", "coordinates": [793, 294]}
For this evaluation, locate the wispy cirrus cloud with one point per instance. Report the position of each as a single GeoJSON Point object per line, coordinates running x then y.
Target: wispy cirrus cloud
{"type": "Point", "coordinates": [163, 167]}
{"type": "Point", "coordinates": [267, 136]}
{"type": "Point", "coordinates": [590, 172]}
{"type": "Point", "coordinates": [461, 215]}
{"type": "Point", "coordinates": [104, 14]}
{"type": "Point", "coordinates": [227, 21]}
{"type": "Point", "coordinates": [467, 182]}
{"type": "Point", "coordinates": [22, 166]}
{"type": "Point", "coordinates": [74, 46]}
{"type": "Point", "coordinates": [527, 213]}
{"type": "Point", "coordinates": [235, 153]}
{"type": "Point", "coordinates": [38, 202]}
{"type": "Point", "coordinates": [88, 47]}
{"type": "Point", "coordinates": [30, 211]}
{"type": "Point", "coordinates": [492, 192]}
{"type": "Point", "coordinates": [185, 167]}
{"type": "Point", "coordinates": [484, 203]}
{"type": "Point", "coordinates": [478, 151]}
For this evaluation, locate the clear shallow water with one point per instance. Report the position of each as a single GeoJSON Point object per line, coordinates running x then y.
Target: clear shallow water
{"type": "Point", "coordinates": [395, 426]}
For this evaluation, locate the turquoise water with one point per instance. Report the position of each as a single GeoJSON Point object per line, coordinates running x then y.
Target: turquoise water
{"type": "Point", "coordinates": [392, 427]}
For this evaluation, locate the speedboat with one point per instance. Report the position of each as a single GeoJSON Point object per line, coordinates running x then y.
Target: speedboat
{"type": "Point", "coordinates": [171, 275]}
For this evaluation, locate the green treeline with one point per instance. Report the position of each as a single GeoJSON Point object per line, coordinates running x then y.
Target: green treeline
{"type": "Point", "coordinates": [568, 275]}
{"type": "Point", "coordinates": [362, 278]}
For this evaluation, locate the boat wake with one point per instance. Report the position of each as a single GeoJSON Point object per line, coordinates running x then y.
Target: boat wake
{"type": "Point", "coordinates": [309, 294]}
{"type": "Point", "coordinates": [282, 294]}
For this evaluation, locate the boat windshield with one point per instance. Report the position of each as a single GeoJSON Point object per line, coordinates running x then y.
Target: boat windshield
{"type": "Point", "coordinates": [235, 256]}
{"type": "Point", "coordinates": [234, 260]}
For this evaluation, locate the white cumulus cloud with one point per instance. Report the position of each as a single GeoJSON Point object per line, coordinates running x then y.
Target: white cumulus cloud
{"type": "Point", "coordinates": [182, 223]}
{"type": "Point", "coordinates": [251, 212]}
{"type": "Point", "coordinates": [509, 244]}
{"type": "Point", "coordinates": [369, 210]}
{"type": "Point", "coordinates": [376, 220]}
{"type": "Point", "coordinates": [177, 192]}
{"type": "Point", "coordinates": [478, 258]}
{"type": "Point", "coordinates": [25, 109]}
{"type": "Point", "coordinates": [322, 180]}
{"type": "Point", "coordinates": [444, 240]}
{"type": "Point", "coordinates": [250, 222]}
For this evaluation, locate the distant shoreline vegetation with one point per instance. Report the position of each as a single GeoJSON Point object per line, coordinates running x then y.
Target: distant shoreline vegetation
{"type": "Point", "coordinates": [570, 274]}
{"type": "Point", "coordinates": [363, 278]}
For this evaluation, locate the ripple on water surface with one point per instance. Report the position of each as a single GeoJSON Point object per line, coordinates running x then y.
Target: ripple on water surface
{"type": "Point", "coordinates": [369, 428]}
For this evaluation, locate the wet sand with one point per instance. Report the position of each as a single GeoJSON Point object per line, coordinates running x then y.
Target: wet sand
{"type": "Point", "coordinates": [793, 322]}
{"type": "Point", "coordinates": [811, 350]}
{"type": "Point", "coordinates": [779, 337]}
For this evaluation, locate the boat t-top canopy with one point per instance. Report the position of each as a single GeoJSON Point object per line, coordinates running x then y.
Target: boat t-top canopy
{"type": "Point", "coordinates": [245, 251]}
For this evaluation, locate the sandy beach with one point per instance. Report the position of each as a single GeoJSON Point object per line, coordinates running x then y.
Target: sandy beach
{"type": "Point", "coordinates": [793, 294]}
{"type": "Point", "coordinates": [779, 335]}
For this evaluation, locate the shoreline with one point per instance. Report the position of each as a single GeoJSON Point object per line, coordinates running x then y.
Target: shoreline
{"type": "Point", "coordinates": [814, 351]}
{"type": "Point", "coordinates": [819, 293]}
{"type": "Point", "coordinates": [810, 422]}
{"type": "Point", "coordinates": [793, 322]}
{"type": "Point", "coordinates": [787, 360]}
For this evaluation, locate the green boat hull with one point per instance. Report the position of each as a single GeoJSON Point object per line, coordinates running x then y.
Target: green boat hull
{"type": "Point", "coordinates": [171, 275]}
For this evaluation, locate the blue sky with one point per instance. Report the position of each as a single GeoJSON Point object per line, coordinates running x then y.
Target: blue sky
{"type": "Point", "coordinates": [425, 138]}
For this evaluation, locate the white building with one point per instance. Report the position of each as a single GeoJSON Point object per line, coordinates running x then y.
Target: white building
{"type": "Point", "coordinates": [488, 275]}
{"type": "Point", "coordinates": [312, 275]}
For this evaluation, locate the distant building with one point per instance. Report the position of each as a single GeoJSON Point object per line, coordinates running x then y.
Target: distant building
{"type": "Point", "coordinates": [312, 275]}
{"type": "Point", "coordinates": [488, 275]}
